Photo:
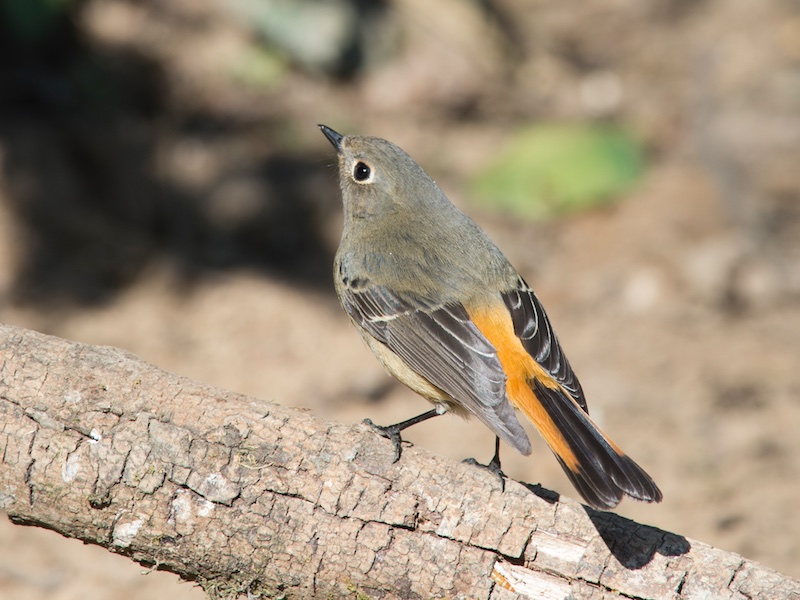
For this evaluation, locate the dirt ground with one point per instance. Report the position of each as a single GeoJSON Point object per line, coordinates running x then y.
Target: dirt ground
{"type": "Point", "coordinates": [195, 227]}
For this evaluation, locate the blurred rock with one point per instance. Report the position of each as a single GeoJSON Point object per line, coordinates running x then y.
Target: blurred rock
{"type": "Point", "coordinates": [708, 267]}
{"type": "Point", "coordinates": [758, 284]}
{"type": "Point", "coordinates": [601, 92]}
{"type": "Point", "coordinates": [643, 290]}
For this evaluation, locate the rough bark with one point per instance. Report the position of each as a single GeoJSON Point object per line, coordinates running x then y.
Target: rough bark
{"type": "Point", "coordinates": [247, 496]}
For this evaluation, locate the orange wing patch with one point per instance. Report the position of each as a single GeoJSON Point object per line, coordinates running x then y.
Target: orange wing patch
{"type": "Point", "coordinates": [494, 322]}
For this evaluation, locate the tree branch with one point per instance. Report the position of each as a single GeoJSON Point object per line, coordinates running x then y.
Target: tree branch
{"type": "Point", "coordinates": [246, 496]}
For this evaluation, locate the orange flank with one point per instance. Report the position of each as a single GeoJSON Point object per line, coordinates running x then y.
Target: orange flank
{"type": "Point", "coordinates": [494, 322]}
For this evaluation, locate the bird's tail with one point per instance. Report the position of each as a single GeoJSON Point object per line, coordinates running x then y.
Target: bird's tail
{"type": "Point", "coordinates": [597, 467]}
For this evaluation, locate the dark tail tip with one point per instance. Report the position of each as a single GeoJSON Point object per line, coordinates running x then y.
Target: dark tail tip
{"type": "Point", "coordinates": [603, 476]}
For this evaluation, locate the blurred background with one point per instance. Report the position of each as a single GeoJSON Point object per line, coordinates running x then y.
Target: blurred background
{"type": "Point", "coordinates": [164, 189]}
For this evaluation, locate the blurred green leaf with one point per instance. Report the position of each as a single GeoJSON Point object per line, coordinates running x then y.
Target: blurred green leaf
{"type": "Point", "coordinates": [552, 169]}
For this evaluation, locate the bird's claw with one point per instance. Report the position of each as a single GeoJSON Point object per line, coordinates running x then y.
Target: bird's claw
{"type": "Point", "coordinates": [391, 433]}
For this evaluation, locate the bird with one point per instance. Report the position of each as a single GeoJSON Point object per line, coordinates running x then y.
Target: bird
{"type": "Point", "coordinates": [447, 314]}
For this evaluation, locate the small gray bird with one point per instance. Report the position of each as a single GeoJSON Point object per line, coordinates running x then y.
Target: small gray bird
{"type": "Point", "coordinates": [447, 315]}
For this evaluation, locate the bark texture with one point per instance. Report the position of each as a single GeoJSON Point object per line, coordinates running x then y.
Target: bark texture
{"type": "Point", "coordinates": [243, 496]}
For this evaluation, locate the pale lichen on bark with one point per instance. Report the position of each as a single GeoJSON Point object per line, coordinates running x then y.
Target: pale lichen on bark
{"type": "Point", "coordinates": [247, 496]}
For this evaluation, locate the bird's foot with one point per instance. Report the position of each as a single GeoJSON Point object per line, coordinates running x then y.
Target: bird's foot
{"type": "Point", "coordinates": [493, 466]}
{"type": "Point", "coordinates": [391, 433]}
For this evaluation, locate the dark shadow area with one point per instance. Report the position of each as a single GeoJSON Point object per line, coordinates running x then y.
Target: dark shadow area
{"type": "Point", "coordinates": [90, 138]}
{"type": "Point", "coordinates": [635, 550]}
{"type": "Point", "coordinates": [548, 496]}
{"type": "Point", "coordinates": [632, 550]}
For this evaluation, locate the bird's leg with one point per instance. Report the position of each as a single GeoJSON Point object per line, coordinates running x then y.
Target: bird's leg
{"type": "Point", "coordinates": [493, 466]}
{"type": "Point", "coordinates": [392, 432]}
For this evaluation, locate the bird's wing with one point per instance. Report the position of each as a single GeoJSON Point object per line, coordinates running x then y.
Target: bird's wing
{"type": "Point", "coordinates": [441, 344]}
{"type": "Point", "coordinates": [533, 328]}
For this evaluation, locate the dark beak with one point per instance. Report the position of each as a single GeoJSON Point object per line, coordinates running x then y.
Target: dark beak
{"type": "Point", "coordinates": [334, 138]}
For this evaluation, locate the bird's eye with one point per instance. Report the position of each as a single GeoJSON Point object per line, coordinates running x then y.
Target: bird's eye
{"type": "Point", "coordinates": [361, 172]}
